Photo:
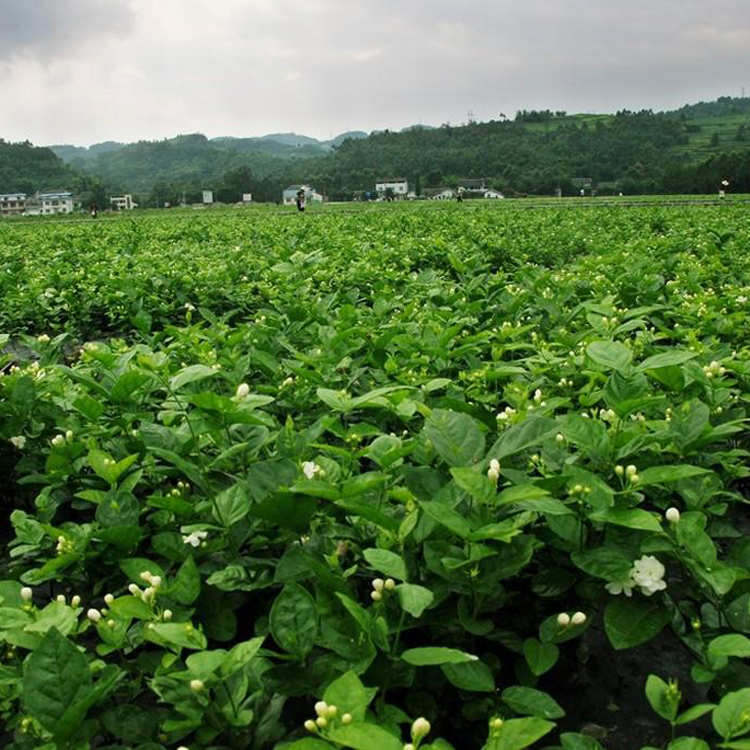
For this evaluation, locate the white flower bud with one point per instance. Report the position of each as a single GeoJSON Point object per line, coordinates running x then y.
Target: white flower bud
{"type": "Point", "coordinates": [196, 685]}
{"type": "Point", "coordinates": [134, 590]}
{"type": "Point", "coordinates": [110, 623]}
{"type": "Point", "coordinates": [578, 618]}
{"type": "Point", "coordinates": [75, 601]}
{"type": "Point", "coordinates": [321, 721]}
{"type": "Point", "coordinates": [60, 599]}
{"type": "Point", "coordinates": [672, 515]}
{"type": "Point", "coordinates": [166, 615]}
{"type": "Point", "coordinates": [631, 470]}
{"type": "Point", "coordinates": [560, 437]}
{"type": "Point", "coordinates": [156, 581]}
{"type": "Point", "coordinates": [69, 435]}
{"type": "Point", "coordinates": [331, 712]}
{"type": "Point", "coordinates": [376, 596]}
{"type": "Point", "coordinates": [420, 728]}
{"type": "Point", "coordinates": [243, 389]}
{"type": "Point", "coordinates": [146, 576]}
{"type": "Point", "coordinates": [390, 584]}
{"type": "Point", "coordinates": [378, 584]}
{"type": "Point", "coordinates": [321, 707]}
{"type": "Point", "coordinates": [108, 598]}
{"type": "Point", "coordinates": [563, 619]}
{"type": "Point", "coordinates": [58, 440]}
{"type": "Point", "coordinates": [310, 726]}
{"type": "Point", "coordinates": [346, 719]}
{"type": "Point", "coordinates": [26, 593]}
{"type": "Point", "coordinates": [94, 615]}
{"type": "Point", "coordinates": [634, 479]}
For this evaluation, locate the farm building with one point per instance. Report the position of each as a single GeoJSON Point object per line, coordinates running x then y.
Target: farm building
{"type": "Point", "coordinates": [289, 195]}
{"type": "Point", "coordinates": [398, 187]}
{"type": "Point", "coordinates": [439, 194]}
{"type": "Point", "coordinates": [123, 203]}
{"type": "Point", "coordinates": [12, 204]}
{"type": "Point", "coordinates": [55, 203]}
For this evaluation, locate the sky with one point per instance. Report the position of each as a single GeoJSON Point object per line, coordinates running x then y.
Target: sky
{"type": "Point", "coordinates": [86, 71]}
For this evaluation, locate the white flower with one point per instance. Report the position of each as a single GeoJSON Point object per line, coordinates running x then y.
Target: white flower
{"type": "Point", "coordinates": [741, 299]}
{"type": "Point", "coordinates": [648, 574]}
{"type": "Point", "coordinates": [94, 615]}
{"type": "Point", "coordinates": [196, 685]}
{"type": "Point", "coordinates": [60, 598]}
{"type": "Point", "coordinates": [26, 593]}
{"type": "Point", "coordinates": [563, 619]}
{"type": "Point", "coordinates": [189, 307]}
{"type": "Point", "coordinates": [420, 728]}
{"type": "Point", "coordinates": [672, 515]}
{"type": "Point", "coordinates": [310, 726]}
{"type": "Point", "coordinates": [108, 599]}
{"type": "Point", "coordinates": [725, 183]}
{"type": "Point", "coordinates": [19, 441]}
{"type": "Point", "coordinates": [310, 469]}
{"type": "Point", "coordinates": [58, 440]}
{"type": "Point", "coordinates": [194, 539]}
{"type": "Point", "coordinates": [578, 618]}
{"type": "Point", "coordinates": [390, 584]}
{"type": "Point", "coordinates": [242, 390]}
{"type": "Point", "coordinates": [621, 587]}
{"type": "Point", "coordinates": [43, 338]}
{"type": "Point", "coordinates": [493, 473]}
{"type": "Point", "coordinates": [75, 601]}
{"type": "Point", "coordinates": [321, 708]}
{"type": "Point", "coordinates": [166, 615]}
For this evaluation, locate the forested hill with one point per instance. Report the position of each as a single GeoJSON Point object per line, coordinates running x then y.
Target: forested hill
{"type": "Point", "coordinates": [534, 153]}
{"type": "Point", "coordinates": [27, 169]}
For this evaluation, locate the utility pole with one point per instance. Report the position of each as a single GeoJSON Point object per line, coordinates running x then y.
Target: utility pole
{"type": "Point", "coordinates": [470, 116]}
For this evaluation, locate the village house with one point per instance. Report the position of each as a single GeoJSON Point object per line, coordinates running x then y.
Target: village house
{"type": "Point", "coordinates": [56, 203]}
{"type": "Point", "coordinates": [12, 204]}
{"type": "Point", "coordinates": [289, 195]}
{"type": "Point", "coordinates": [123, 203]}
{"type": "Point", "coordinates": [398, 187]}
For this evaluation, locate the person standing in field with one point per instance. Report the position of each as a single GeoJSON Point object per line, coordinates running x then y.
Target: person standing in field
{"type": "Point", "coordinates": [300, 200]}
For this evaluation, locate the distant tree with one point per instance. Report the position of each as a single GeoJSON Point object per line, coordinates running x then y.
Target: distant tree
{"type": "Point", "coordinates": [715, 140]}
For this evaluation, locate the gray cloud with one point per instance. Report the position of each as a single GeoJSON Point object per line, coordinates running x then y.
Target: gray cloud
{"type": "Point", "coordinates": [148, 69]}
{"type": "Point", "coordinates": [48, 29]}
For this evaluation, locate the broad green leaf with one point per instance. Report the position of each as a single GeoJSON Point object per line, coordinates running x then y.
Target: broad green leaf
{"type": "Point", "coordinates": [666, 474]}
{"type": "Point", "coordinates": [518, 734]}
{"type": "Point", "coordinates": [386, 562]}
{"type": "Point", "coordinates": [191, 374]}
{"type": "Point", "coordinates": [240, 655]}
{"type": "Point", "coordinates": [695, 712]}
{"type": "Point", "coordinates": [445, 515]}
{"type": "Point", "coordinates": [662, 699]}
{"type": "Point", "coordinates": [414, 599]}
{"type": "Point", "coordinates": [609, 354]}
{"type": "Point", "coordinates": [294, 620]}
{"type": "Point", "coordinates": [688, 743]}
{"type": "Point", "coordinates": [231, 505]}
{"type": "Point", "coordinates": [456, 437]}
{"type": "Point", "coordinates": [631, 622]}
{"type": "Point", "coordinates": [730, 717]}
{"type": "Point", "coordinates": [540, 657]}
{"type": "Point", "coordinates": [531, 702]}
{"type": "Point", "coordinates": [531, 432]}
{"type": "Point", "coordinates": [732, 644]}
{"type": "Point", "coordinates": [573, 741]}
{"type": "Point", "coordinates": [435, 656]}
{"type": "Point", "coordinates": [187, 583]}
{"type": "Point", "coordinates": [175, 635]}
{"type": "Point", "coordinates": [349, 695]}
{"type": "Point", "coordinates": [363, 736]}
{"type": "Point", "coordinates": [474, 676]}
{"type": "Point", "coordinates": [474, 483]}
{"type": "Point", "coordinates": [667, 359]}
{"type": "Point", "coordinates": [56, 684]}
{"type": "Point", "coordinates": [631, 518]}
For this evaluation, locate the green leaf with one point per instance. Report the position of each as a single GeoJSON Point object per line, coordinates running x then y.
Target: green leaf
{"type": "Point", "coordinates": [688, 743]}
{"type": "Point", "coordinates": [474, 483]}
{"type": "Point", "coordinates": [56, 684]}
{"type": "Point", "coordinates": [667, 359]}
{"type": "Point", "coordinates": [694, 712]}
{"type": "Point", "coordinates": [730, 717]}
{"type": "Point", "coordinates": [240, 655]}
{"type": "Point", "coordinates": [231, 505]}
{"type": "Point", "coordinates": [386, 562]}
{"type": "Point", "coordinates": [363, 736]}
{"type": "Point", "coordinates": [531, 702]}
{"type": "Point", "coordinates": [349, 695]}
{"type": "Point", "coordinates": [446, 516]}
{"type": "Point", "coordinates": [474, 676]}
{"type": "Point", "coordinates": [191, 374]}
{"type": "Point", "coordinates": [187, 583]}
{"type": "Point", "coordinates": [456, 437]}
{"type": "Point", "coordinates": [662, 700]}
{"type": "Point", "coordinates": [518, 734]}
{"type": "Point", "coordinates": [603, 562]}
{"type": "Point", "coordinates": [134, 567]}
{"type": "Point", "coordinates": [520, 493]}
{"type": "Point", "coordinates": [609, 354]}
{"type": "Point", "coordinates": [666, 474]}
{"type": "Point", "coordinates": [131, 723]}
{"type": "Point", "coordinates": [573, 741]}
{"type": "Point", "coordinates": [631, 622]}
{"type": "Point", "coordinates": [414, 599]}
{"type": "Point", "coordinates": [175, 635]}
{"type": "Point", "coordinates": [738, 613]}
{"type": "Point", "coordinates": [435, 656]}
{"type": "Point", "coordinates": [730, 645]}
{"type": "Point", "coordinates": [294, 620]}
{"type": "Point", "coordinates": [531, 432]}
{"type": "Point", "coordinates": [54, 615]}
{"type": "Point", "coordinates": [631, 518]}
{"type": "Point", "coordinates": [540, 657]}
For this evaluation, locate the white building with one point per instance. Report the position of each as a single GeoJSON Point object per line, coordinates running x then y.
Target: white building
{"type": "Point", "coordinates": [56, 203]}
{"type": "Point", "coordinates": [12, 204]}
{"type": "Point", "coordinates": [491, 193]}
{"type": "Point", "coordinates": [123, 203]}
{"type": "Point", "coordinates": [289, 195]}
{"type": "Point", "coordinates": [398, 186]}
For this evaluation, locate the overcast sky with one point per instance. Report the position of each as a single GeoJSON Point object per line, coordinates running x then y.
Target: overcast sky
{"type": "Point", "coordinates": [83, 71]}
